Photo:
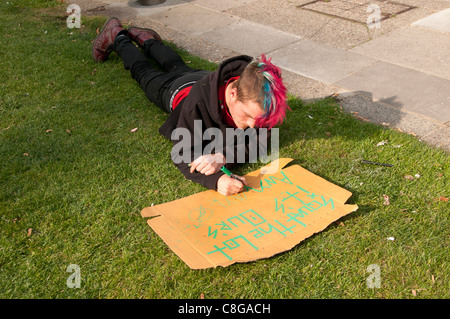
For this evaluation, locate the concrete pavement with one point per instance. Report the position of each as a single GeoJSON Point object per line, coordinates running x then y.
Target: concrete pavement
{"type": "Point", "coordinates": [394, 71]}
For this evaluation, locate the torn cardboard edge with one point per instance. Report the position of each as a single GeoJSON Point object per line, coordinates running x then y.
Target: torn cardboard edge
{"type": "Point", "coordinates": [171, 224]}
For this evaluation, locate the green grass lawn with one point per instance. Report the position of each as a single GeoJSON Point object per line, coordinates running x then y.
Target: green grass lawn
{"type": "Point", "coordinates": [74, 178]}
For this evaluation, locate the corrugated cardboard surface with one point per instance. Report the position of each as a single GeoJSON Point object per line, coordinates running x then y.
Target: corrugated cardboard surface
{"type": "Point", "coordinates": [273, 215]}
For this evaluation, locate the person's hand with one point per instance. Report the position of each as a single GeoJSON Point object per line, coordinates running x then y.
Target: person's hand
{"type": "Point", "coordinates": [227, 185]}
{"type": "Point", "coordinates": [208, 164]}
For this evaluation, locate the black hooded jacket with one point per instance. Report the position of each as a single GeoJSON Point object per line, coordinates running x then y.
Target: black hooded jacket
{"type": "Point", "coordinates": [202, 104]}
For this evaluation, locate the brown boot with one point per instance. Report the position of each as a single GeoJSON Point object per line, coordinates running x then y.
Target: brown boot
{"type": "Point", "coordinates": [140, 35]}
{"type": "Point", "coordinates": [102, 44]}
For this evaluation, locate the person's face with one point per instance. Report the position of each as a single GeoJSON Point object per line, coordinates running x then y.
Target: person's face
{"type": "Point", "coordinates": [243, 114]}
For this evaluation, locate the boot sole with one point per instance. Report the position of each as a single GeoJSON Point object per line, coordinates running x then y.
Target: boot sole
{"type": "Point", "coordinates": [147, 29]}
{"type": "Point", "coordinates": [98, 36]}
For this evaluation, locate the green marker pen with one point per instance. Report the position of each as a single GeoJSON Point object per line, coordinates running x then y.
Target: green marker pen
{"type": "Point", "coordinates": [227, 171]}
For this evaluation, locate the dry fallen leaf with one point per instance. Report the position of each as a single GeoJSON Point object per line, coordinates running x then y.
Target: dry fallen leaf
{"type": "Point", "coordinates": [410, 177]}
{"type": "Point", "coordinates": [362, 118]}
{"type": "Point", "coordinates": [382, 143]}
{"type": "Point", "coordinates": [386, 200]}
{"type": "Point", "coordinates": [202, 296]}
{"type": "Point", "coordinates": [30, 230]}
{"type": "Point", "coordinates": [442, 199]}
{"type": "Point", "coordinates": [415, 291]}
{"type": "Point", "coordinates": [26, 154]}
{"type": "Point", "coordinates": [48, 131]}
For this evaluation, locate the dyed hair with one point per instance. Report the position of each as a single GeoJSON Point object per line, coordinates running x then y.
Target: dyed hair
{"type": "Point", "coordinates": [261, 82]}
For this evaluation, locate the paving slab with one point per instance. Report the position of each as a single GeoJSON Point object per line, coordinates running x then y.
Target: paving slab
{"type": "Point", "coordinates": [192, 19]}
{"type": "Point", "coordinates": [319, 62]}
{"type": "Point", "coordinates": [412, 47]}
{"type": "Point", "coordinates": [193, 44]}
{"type": "Point", "coordinates": [149, 10]}
{"type": "Point", "coordinates": [223, 4]}
{"type": "Point", "coordinates": [357, 10]}
{"type": "Point", "coordinates": [439, 21]}
{"type": "Point", "coordinates": [286, 16]}
{"type": "Point", "coordinates": [404, 88]}
{"type": "Point", "coordinates": [438, 138]}
{"type": "Point", "coordinates": [363, 105]}
{"type": "Point", "coordinates": [250, 38]}
{"type": "Point", "coordinates": [289, 16]}
{"type": "Point", "coordinates": [307, 89]}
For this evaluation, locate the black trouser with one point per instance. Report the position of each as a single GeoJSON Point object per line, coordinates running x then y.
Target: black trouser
{"type": "Point", "coordinates": [159, 86]}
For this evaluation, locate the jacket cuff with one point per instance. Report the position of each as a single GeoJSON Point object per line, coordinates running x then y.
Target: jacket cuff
{"type": "Point", "coordinates": [211, 180]}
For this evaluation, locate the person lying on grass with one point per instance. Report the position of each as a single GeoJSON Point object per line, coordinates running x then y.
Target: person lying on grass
{"type": "Point", "coordinates": [243, 93]}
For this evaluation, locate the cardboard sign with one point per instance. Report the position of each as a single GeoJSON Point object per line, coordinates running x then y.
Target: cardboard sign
{"type": "Point", "coordinates": [276, 212]}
